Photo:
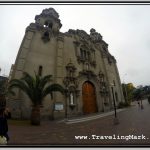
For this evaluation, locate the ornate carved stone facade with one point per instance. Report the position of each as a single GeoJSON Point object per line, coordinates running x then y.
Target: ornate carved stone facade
{"type": "Point", "coordinates": [80, 62]}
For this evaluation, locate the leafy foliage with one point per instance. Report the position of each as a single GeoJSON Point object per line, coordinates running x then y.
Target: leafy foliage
{"type": "Point", "coordinates": [141, 92]}
{"type": "Point", "coordinates": [123, 104]}
{"type": "Point", "coordinates": [36, 87]}
{"type": "Point", "coordinates": [2, 87]}
{"type": "Point", "coordinates": [128, 92]}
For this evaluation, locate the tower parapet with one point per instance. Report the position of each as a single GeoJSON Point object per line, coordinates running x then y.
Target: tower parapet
{"type": "Point", "coordinates": [48, 20]}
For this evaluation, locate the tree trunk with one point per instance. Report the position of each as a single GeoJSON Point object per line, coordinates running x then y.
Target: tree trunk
{"type": "Point", "coordinates": [35, 115]}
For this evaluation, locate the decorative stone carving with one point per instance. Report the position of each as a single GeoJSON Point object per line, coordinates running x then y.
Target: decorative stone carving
{"type": "Point", "coordinates": [95, 36]}
{"type": "Point", "coordinates": [111, 59]}
{"type": "Point", "coordinates": [31, 27]}
{"type": "Point", "coordinates": [71, 31]}
{"type": "Point", "coordinates": [39, 27]}
{"type": "Point", "coordinates": [48, 18]}
{"type": "Point", "coordinates": [84, 49]}
{"type": "Point", "coordinates": [88, 74]}
{"type": "Point", "coordinates": [105, 47]}
{"type": "Point", "coordinates": [71, 84]}
{"type": "Point", "coordinates": [70, 79]}
{"type": "Point", "coordinates": [85, 54]}
{"type": "Point", "coordinates": [102, 83]}
{"type": "Point", "coordinates": [84, 37]}
{"type": "Point", "coordinates": [48, 12]}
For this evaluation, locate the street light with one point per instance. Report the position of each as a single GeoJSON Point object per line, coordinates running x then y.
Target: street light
{"type": "Point", "coordinates": [116, 121]}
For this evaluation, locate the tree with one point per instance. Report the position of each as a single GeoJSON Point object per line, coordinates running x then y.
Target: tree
{"type": "Point", "coordinates": [36, 88]}
{"type": "Point", "coordinates": [3, 86]}
{"type": "Point", "coordinates": [143, 91]}
{"type": "Point", "coordinates": [130, 89]}
{"type": "Point", "coordinates": [137, 93]}
{"type": "Point", "coordinates": [128, 92]}
{"type": "Point", "coordinates": [4, 91]}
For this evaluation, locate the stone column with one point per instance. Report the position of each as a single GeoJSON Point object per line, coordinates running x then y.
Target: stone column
{"type": "Point", "coordinates": [104, 60]}
{"type": "Point", "coordinates": [16, 102]}
{"type": "Point", "coordinates": [59, 67]}
{"type": "Point", "coordinates": [119, 82]}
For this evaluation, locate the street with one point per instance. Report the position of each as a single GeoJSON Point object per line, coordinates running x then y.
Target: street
{"type": "Point", "coordinates": [134, 122]}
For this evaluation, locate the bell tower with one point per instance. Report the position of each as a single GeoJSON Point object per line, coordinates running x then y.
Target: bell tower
{"type": "Point", "coordinates": [37, 54]}
{"type": "Point", "coordinates": [49, 19]}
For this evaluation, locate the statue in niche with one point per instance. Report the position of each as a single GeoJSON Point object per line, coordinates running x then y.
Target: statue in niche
{"type": "Point", "coordinates": [71, 99]}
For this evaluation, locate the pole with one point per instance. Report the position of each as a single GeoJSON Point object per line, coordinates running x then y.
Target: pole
{"type": "Point", "coordinates": [116, 121]}
{"type": "Point", "coordinates": [66, 110]}
{"type": "Point", "coordinates": [114, 102]}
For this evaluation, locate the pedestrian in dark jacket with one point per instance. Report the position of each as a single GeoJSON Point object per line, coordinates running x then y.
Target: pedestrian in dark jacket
{"type": "Point", "coordinates": [7, 113]}
{"type": "Point", "coordinates": [3, 124]}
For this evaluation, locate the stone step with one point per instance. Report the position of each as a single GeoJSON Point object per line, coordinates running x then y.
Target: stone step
{"type": "Point", "coordinates": [83, 119]}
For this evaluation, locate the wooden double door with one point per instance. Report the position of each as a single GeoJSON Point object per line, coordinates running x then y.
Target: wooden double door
{"type": "Point", "coordinates": [89, 98]}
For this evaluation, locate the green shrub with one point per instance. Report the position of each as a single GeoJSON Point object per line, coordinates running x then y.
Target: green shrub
{"type": "Point", "coordinates": [123, 104]}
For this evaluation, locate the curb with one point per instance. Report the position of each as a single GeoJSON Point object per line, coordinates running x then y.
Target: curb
{"type": "Point", "coordinates": [71, 121]}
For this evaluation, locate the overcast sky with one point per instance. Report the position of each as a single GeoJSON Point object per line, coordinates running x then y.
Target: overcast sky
{"type": "Point", "coordinates": [126, 28]}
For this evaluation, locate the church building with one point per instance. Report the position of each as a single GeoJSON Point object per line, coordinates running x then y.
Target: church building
{"type": "Point", "coordinates": [78, 61]}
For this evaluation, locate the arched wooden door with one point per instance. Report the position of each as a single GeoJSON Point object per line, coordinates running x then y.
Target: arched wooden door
{"type": "Point", "coordinates": [89, 98]}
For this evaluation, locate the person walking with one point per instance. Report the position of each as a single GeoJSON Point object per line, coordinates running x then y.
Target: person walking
{"type": "Point", "coordinates": [138, 103]}
{"type": "Point", "coordinates": [3, 125]}
{"type": "Point", "coordinates": [7, 113]}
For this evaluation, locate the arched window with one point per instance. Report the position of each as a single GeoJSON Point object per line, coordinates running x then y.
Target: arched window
{"type": "Point", "coordinates": [48, 24]}
{"type": "Point", "coordinates": [46, 37]}
{"type": "Point", "coordinates": [40, 70]}
{"type": "Point", "coordinates": [46, 34]}
{"type": "Point", "coordinates": [88, 56]}
{"type": "Point", "coordinates": [82, 53]}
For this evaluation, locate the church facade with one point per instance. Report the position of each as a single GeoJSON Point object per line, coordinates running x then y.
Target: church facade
{"type": "Point", "coordinates": [80, 62]}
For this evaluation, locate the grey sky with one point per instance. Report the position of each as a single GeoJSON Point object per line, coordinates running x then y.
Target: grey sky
{"type": "Point", "coordinates": [126, 28]}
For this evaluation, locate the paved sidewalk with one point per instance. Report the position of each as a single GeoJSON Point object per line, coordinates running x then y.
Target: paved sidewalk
{"type": "Point", "coordinates": [91, 117]}
{"type": "Point", "coordinates": [133, 121]}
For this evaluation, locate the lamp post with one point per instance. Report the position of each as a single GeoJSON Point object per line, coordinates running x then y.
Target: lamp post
{"type": "Point", "coordinates": [116, 121]}
{"type": "Point", "coordinates": [66, 112]}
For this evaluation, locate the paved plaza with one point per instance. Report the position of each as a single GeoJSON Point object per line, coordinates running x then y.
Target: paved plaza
{"type": "Point", "coordinates": [133, 122]}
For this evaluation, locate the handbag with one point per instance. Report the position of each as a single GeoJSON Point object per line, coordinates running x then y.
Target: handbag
{"type": "Point", "coordinates": [3, 140]}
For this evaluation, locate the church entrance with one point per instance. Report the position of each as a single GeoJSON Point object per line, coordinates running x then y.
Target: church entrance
{"type": "Point", "coordinates": [89, 98]}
